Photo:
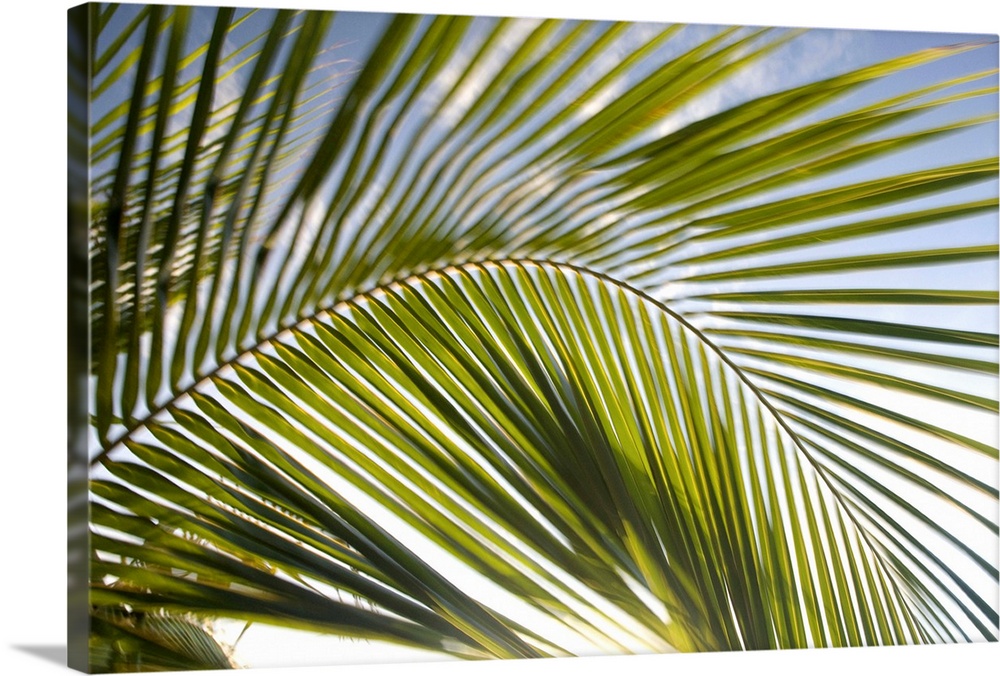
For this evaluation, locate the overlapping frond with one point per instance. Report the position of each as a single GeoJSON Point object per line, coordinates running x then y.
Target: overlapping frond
{"type": "Point", "coordinates": [123, 641]}
{"type": "Point", "coordinates": [659, 379]}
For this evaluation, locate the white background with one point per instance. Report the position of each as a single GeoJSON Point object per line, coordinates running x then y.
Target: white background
{"type": "Point", "coordinates": [33, 329]}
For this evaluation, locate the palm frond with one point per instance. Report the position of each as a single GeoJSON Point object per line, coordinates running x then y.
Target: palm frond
{"type": "Point", "coordinates": [657, 379]}
{"type": "Point", "coordinates": [123, 642]}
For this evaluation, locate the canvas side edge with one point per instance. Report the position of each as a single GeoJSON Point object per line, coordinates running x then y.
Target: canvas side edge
{"type": "Point", "coordinates": [78, 338]}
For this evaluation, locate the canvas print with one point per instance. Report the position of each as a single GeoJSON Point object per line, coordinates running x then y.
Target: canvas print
{"type": "Point", "coordinates": [410, 337]}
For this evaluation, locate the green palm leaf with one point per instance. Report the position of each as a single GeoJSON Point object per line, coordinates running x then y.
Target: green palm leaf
{"type": "Point", "coordinates": [499, 305]}
{"type": "Point", "coordinates": [127, 642]}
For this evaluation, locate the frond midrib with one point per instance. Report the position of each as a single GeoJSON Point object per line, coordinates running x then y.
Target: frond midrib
{"type": "Point", "coordinates": [201, 378]}
{"type": "Point", "coordinates": [759, 395]}
{"type": "Point", "coordinates": [820, 470]}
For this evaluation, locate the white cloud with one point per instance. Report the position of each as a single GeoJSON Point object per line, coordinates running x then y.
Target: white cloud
{"type": "Point", "coordinates": [807, 57]}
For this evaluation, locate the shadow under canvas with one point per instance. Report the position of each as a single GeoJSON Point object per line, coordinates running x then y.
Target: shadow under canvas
{"type": "Point", "coordinates": [50, 653]}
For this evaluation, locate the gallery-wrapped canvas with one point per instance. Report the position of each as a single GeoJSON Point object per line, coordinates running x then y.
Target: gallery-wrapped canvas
{"type": "Point", "coordinates": [409, 337]}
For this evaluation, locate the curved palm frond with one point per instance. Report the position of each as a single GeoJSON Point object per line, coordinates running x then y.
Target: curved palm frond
{"type": "Point", "coordinates": [654, 378]}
